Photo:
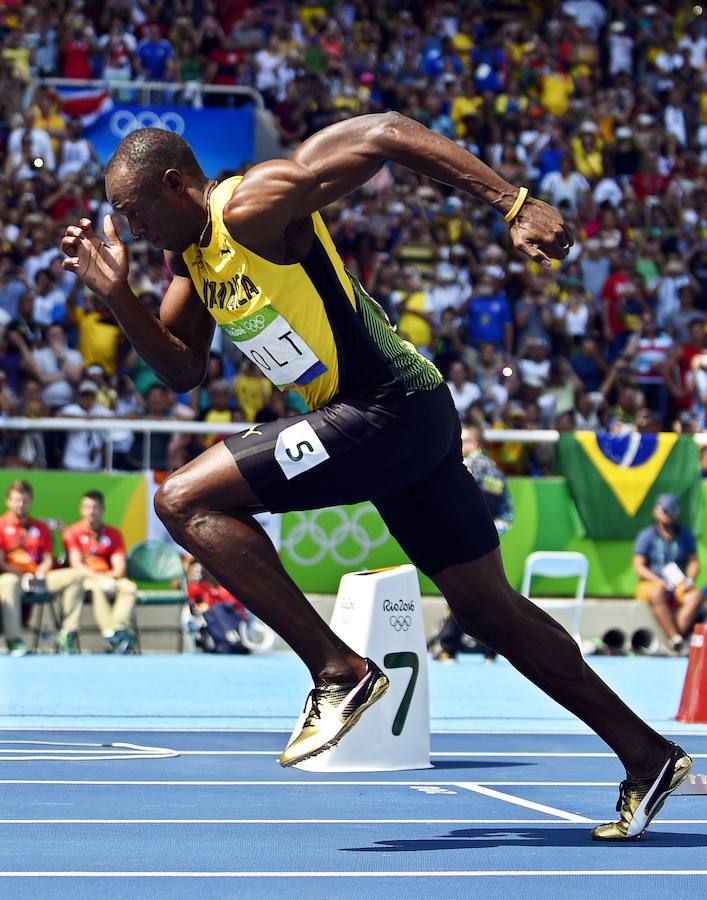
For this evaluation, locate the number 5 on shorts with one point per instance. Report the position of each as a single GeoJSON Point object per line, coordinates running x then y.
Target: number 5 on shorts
{"type": "Point", "coordinates": [404, 660]}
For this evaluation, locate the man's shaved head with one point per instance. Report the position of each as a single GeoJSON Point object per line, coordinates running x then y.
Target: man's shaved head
{"type": "Point", "coordinates": [150, 152]}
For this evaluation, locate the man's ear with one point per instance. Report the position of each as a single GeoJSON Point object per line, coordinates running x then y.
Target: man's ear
{"type": "Point", "coordinates": [174, 180]}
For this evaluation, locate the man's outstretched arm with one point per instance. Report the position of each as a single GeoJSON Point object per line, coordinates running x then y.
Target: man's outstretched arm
{"type": "Point", "coordinates": [340, 158]}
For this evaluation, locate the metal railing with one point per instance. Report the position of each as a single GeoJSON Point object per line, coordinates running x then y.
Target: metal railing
{"type": "Point", "coordinates": [165, 87]}
{"type": "Point", "coordinates": [148, 427]}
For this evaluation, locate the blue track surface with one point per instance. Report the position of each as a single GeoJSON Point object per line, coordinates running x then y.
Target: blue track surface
{"type": "Point", "coordinates": [506, 810]}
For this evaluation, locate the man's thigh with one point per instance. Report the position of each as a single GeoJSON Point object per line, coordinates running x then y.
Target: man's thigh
{"type": "Point", "coordinates": [345, 452]}
{"type": "Point", "coordinates": [441, 520]}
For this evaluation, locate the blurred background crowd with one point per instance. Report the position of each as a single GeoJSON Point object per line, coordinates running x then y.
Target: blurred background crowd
{"type": "Point", "coordinates": [599, 108]}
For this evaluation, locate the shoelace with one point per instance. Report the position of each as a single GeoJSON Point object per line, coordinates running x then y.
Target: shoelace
{"type": "Point", "coordinates": [633, 787]}
{"type": "Point", "coordinates": [330, 695]}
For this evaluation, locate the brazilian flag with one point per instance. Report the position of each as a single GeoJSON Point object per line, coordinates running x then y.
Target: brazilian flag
{"type": "Point", "coordinates": [615, 479]}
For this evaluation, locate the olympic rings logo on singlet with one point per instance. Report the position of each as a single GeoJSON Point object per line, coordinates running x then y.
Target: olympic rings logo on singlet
{"type": "Point", "coordinates": [278, 351]}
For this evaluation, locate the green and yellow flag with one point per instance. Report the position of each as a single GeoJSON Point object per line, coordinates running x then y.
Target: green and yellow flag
{"type": "Point", "coordinates": [615, 479]}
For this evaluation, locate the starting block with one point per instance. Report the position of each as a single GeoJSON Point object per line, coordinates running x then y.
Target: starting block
{"type": "Point", "coordinates": [379, 615]}
{"type": "Point", "coordinates": [692, 785]}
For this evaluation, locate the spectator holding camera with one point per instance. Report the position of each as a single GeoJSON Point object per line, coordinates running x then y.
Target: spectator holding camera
{"type": "Point", "coordinates": [58, 367]}
{"type": "Point", "coordinates": [26, 565]}
{"type": "Point", "coordinates": [97, 551]}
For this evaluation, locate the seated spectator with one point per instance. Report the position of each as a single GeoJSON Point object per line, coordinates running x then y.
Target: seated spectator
{"type": "Point", "coordinates": [665, 560]}
{"type": "Point", "coordinates": [97, 551]}
{"type": "Point", "coordinates": [26, 564]}
{"type": "Point", "coordinates": [83, 451]}
{"type": "Point", "coordinates": [58, 367]}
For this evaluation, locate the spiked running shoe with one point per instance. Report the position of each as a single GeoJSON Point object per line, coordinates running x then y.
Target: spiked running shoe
{"type": "Point", "coordinates": [641, 799]}
{"type": "Point", "coordinates": [332, 711]}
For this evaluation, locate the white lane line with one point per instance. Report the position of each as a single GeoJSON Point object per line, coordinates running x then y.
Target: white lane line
{"type": "Point", "coordinates": [318, 822]}
{"type": "Point", "coordinates": [297, 783]}
{"type": "Point", "coordinates": [521, 801]}
{"type": "Point", "coordinates": [279, 822]}
{"type": "Point", "coordinates": [469, 873]}
{"type": "Point", "coordinates": [146, 729]}
{"type": "Point", "coordinates": [471, 754]}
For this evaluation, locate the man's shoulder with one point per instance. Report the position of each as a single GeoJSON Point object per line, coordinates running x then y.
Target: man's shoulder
{"type": "Point", "coordinates": [645, 535]}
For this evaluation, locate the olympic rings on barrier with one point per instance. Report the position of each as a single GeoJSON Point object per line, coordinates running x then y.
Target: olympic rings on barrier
{"type": "Point", "coordinates": [401, 623]}
{"type": "Point", "coordinates": [348, 529]}
{"type": "Point", "coordinates": [123, 122]}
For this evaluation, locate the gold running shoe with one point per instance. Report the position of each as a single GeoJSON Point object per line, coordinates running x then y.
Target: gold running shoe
{"type": "Point", "coordinates": [641, 799]}
{"type": "Point", "coordinates": [333, 711]}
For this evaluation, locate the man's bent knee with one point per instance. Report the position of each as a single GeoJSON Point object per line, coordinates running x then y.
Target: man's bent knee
{"type": "Point", "coordinates": [174, 500]}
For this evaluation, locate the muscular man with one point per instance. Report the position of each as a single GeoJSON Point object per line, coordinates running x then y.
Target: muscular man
{"type": "Point", "coordinates": [98, 552]}
{"type": "Point", "coordinates": [26, 563]}
{"type": "Point", "coordinates": [253, 255]}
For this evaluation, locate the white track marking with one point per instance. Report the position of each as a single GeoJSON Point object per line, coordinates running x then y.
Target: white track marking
{"type": "Point", "coordinates": [79, 751]}
{"type": "Point", "coordinates": [521, 801]}
{"type": "Point", "coordinates": [470, 873]}
{"type": "Point", "coordinates": [303, 784]}
{"type": "Point", "coordinates": [279, 822]}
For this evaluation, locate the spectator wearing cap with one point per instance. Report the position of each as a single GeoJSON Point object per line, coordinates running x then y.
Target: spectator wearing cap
{"type": "Point", "coordinates": [665, 560]}
{"type": "Point", "coordinates": [668, 289]}
{"type": "Point", "coordinates": [620, 49]}
{"type": "Point", "coordinates": [83, 451]}
{"type": "Point", "coordinates": [488, 314]}
{"type": "Point", "coordinates": [625, 156]}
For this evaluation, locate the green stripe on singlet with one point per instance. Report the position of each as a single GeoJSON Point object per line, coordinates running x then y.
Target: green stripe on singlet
{"type": "Point", "coordinates": [414, 371]}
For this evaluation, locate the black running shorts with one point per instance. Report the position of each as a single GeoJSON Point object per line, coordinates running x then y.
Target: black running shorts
{"type": "Point", "coordinates": [402, 452]}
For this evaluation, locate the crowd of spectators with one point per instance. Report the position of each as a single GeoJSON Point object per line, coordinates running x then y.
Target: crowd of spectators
{"type": "Point", "coordinates": [599, 108]}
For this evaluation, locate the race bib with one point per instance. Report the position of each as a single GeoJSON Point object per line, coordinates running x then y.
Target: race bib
{"type": "Point", "coordinates": [298, 449]}
{"type": "Point", "coordinates": [278, 351]}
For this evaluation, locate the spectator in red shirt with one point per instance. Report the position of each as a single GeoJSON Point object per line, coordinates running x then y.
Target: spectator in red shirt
{"type": "Point", "coordinates": [97, 551]}
{"type": "Point", "coordinates": [613, 298]}
{"type": "Point", "coordinates": [26, 564]}
{"type": "Point", "coordinates": [649, 182]}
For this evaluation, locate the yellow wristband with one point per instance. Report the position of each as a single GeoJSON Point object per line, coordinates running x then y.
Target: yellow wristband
{"type": "Point", "coordinates": [519, 201]}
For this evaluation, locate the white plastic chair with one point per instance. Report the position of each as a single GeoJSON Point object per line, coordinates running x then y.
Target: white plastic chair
{"type": "Point", "coordinates": [559, 564]}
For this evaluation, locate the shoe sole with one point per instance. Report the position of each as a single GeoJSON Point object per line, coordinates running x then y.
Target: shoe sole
{"type": "Point", "coordinates": [381, 686]}
{"type": "Point", "coordinates": [659, 805]}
